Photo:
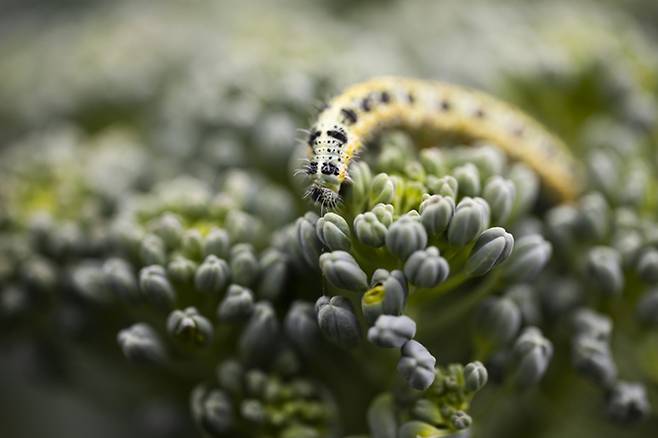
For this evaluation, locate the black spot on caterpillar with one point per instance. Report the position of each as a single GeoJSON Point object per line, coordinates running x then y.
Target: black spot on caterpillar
{"type": "Point", "coordinates": [312, 136]}
{"type": "Point", "coordinates": [329, 169]}
{"type": "Point", "coordinates": [350, 115]}
{"type": "Point", "coordinates": [338, 135]}
{"type": "Point", "coordinates": [357, 114]}
{"type": "Point", "coordinates": [366, 103]}
{"type": "Point", "coordinates": [312, 168]}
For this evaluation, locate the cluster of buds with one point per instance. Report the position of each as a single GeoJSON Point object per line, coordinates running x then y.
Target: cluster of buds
{"type": "Point", "coordinates": [243, 402]}
{"type": "Point", "coordinates": [412, 237]}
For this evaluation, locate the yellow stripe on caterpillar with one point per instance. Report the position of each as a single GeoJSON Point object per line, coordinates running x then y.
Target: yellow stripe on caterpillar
{"type": "Point", "coordinates": [364, 109]}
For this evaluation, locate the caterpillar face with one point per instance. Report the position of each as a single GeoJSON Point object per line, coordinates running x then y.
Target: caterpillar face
{"type": "Point", "coordinates": [349, 119]}
{"type": "Point", "coordinates": [324, 197]}
{"type": "Point", "coordinates": [327, 146]}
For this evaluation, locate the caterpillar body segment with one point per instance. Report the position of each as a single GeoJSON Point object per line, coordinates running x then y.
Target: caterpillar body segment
{"type": "Point", "coordinates": [364, 109]}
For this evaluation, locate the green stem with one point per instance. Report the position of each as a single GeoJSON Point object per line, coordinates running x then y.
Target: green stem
{"type": "Point", "coordinates": [460, 308]}
{"type": "Point", "coordinates": [371, 259]}
{"type": "Point", "coordinates": [422, 296]}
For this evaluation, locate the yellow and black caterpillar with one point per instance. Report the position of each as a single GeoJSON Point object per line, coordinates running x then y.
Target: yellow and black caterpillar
{"type": "Point", "coordinates": [364, 109]}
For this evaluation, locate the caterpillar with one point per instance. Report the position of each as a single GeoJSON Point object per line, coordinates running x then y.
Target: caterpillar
{"type": "Point", "coordinates": [351, 118]}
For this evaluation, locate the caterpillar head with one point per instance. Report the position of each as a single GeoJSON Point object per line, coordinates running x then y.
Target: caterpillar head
{"type": "Point", "coordinates": [325, 197]}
